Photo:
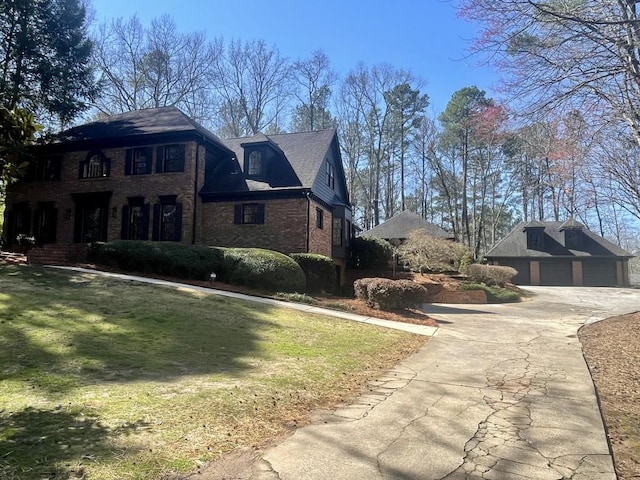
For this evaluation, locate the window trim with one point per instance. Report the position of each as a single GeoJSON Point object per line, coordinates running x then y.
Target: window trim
{"type": "Point", "coordinates": [319, 218]}
{"type": "Point", "coordinates": [161, 158]}
{"type": "Point", "coordinates": [242, 215]}
{"type": "Point", "coordinates": [158, 219]}
{"type": "Point", "coordinates": [331, 175]}
{"type": "Point", "coordinates": [255, 163]}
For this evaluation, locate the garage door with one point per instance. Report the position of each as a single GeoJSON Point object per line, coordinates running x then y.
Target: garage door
{"type": "Point", "coordinates": [556, 272]}
{"type": "Point", "coordinates": [599, 272]}
{"type": "Point", "coordinates": [522, 266]}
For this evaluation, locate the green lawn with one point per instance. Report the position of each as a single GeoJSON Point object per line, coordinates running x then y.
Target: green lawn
{"type": "Point", "coordinates": [104, 379]}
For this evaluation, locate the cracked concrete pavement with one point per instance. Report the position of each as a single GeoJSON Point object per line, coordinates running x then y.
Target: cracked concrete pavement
{"type": "Point", "coordinates": [501, 392]}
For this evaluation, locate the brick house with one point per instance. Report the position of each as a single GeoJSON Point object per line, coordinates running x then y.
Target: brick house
{"type": "Point", "coordinates": [157, 175]}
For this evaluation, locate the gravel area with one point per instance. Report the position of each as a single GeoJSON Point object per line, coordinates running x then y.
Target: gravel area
{"type": "Point", "coordinates": [612, 350]}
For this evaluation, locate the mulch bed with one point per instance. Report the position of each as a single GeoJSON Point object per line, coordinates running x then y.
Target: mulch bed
{"type": "Point", "coordinates": [612, 351]}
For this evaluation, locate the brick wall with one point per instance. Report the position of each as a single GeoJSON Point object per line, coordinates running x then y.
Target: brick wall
{"type": "Point", "coordinates": [284, 228]}
{"type": "Point", "coordinates": [148, 186]}
{"type": "Point", "coordinates": [320, 239]}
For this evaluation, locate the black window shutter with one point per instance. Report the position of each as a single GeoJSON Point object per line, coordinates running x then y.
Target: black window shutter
{"type": "Point", "coordinates": [149, 156]}
{"type": "Point", "coordinates": [181, 155]}
{"type": "Point", "coordinates": [237, 214]}
{"type": "Point", "coordinates": [144, 235]}
{"type": "Point", "coordinates": [159, 159]}
{"type": "Point", "coordinates": [178, 233]}
{"type": "Point", "coordinates": [27, 222]}
{"type": "Point", "coordinates": [260, 214]}
{"type": "Point", "coordinates": [155, 235]}
{"type": "Point", "coordinates": [124, 231]}
{"type": "Point", "coordinates": [81, 169]}
{"type": "Point", "coordinates": [128, 162]}
{"type": "Point", "coordinates": [11, 230]}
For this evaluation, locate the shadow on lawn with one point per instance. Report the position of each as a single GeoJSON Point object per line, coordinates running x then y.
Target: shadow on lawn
{"type": "Point", "coordinates": [53, 443]}
{"type": "Point", "coordinates": [59, 331]}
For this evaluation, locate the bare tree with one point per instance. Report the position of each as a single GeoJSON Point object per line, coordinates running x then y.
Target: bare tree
{"type": "Point", "coordinates": [571, 55]}
{"type": "Point", "coordinates": [253, 82]}
{"type": "Point", "coordinates": [314, 79]}
{"type": "Point", "coordinates": [153, 67]}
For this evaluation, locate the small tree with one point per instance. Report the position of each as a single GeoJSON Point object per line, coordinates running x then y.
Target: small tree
{"type": "Point", "coordinates": [370, 252]}
{"type": "Point", "coordinates": [17, 129]}
{"type": "Point", "coordinates": [424, 253]}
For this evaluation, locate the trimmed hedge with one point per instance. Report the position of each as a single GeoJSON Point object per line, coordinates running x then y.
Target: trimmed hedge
{"type": "Point", "coordinates": [491, 274]}
{"type": "Point", "coordinates": [494, 294]}
{"type": "Point", "coordinates": [319, 270]}
{"type": "Point", "coordinates": [251, 267]}
{"type": "Point", "coordinates": [171, 259]}
{"type": "Point", "coordinates": [387, 294]}
{"type": "Point", "coordinates": [370, 252]}
{"type": "Point", "coordinates": [262, 269]}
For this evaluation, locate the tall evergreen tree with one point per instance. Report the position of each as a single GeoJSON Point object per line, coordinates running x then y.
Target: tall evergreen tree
{"type": "Point", "coordinates": [45, 58]}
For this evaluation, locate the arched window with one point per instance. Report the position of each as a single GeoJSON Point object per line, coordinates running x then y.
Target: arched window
{"type": "Point", "coordinates": [254, 167]}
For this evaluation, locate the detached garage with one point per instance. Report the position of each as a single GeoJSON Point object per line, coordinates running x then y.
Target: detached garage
{"type": "Point", "coordinates": [561, 253]}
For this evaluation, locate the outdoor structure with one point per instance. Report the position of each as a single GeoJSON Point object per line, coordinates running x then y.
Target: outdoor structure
{"type": "Point", "coordinates": [157, 175]}
{"type": "Point", "coordinates": [561, 253]}
{"type": "Point", "coordinates": [398, 228]}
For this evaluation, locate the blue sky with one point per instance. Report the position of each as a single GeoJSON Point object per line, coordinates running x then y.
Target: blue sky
{"type": "Point", "coordinates": [423, 36]}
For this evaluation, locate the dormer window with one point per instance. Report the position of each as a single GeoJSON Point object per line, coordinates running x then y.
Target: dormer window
{"type": "Point", "coordinates": [254, 164]}
{"type": "Point", "coordinates": [535, 238]}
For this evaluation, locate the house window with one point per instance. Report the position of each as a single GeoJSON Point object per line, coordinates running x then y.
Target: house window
{"type": "Point", "coordinates": [138, 161]}
{"type": "Point", "coordinates": [573, 238]}
{"type": "Point", "coordinates": [330, 175]}
{"type": "Point", "coordinates": [170, 158]}
{"type": "Point", "coordinates": [337, 232]}
{"type": "Point", "coordinates": [319, 218]}
{"type": "Point", "coordinates": [249, 214]}
{"type": "Point", "coordinates": [135, 220]}
{"type": "Point", "coordinates": [95, 166]}
{"type": "Point", "coordinates": [167, 219]}
{"type": "Point", "coordinates": [254, 167]}
{"type": "Point", "coordinates": [19, 221]}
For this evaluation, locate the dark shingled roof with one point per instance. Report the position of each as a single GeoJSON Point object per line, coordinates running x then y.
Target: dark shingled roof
{"type": "Point", "coordinates": [149, 121]}
{"type": "Point", "coordinates": [401, 225]}
{"type": "Point", "coordinates": [305, 151]}
{"type": "Point", "coordinates": [514, 245]}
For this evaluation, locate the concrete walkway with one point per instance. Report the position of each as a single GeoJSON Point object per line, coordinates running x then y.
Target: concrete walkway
{"type": "Point", "coordinates": [502, 392]}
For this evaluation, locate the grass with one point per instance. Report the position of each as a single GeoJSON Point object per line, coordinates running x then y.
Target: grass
{"type": "Point", "coordinates": [105, 379]}
{"type": "Point", "coordinates": [494, 294]}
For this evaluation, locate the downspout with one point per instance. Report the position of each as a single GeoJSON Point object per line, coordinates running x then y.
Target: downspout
{"type": "Point", "coordinates": [308, 195]}
{"type": "Point", "coordinates": [195, 194]}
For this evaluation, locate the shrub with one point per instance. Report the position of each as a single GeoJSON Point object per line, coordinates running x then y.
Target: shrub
{"type": "Point", "coordinates": [171, 259]}
{"type": "Point", "coordinates": [319, 270]}
{"type": "Point", "coordinates": [491, 274]}
{"type": "Point", "coordinates": [370, 252]}
{"type": "Point", "coordinates": [263, 269]}
{"type": "Point", "coordinates": [297, 297]}
{"type": "Point", "coordinates": [494, 294]}
{"type": "Point", "coordinates": [387, 294]}
{"type": "Point", "coordinates": [424, 253]}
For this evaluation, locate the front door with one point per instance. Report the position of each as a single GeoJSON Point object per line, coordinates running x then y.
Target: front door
{"type": "Point", "coordinates": [92, 218]}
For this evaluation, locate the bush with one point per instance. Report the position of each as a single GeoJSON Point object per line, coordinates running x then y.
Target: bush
{"type": "Point", "coordinates": [262, 269]}
{"type": "Point", "coordinates": [319, 270]}
{"type": "Point", "coordinates": [370, 252]}
{"type": "Point", "coordinates": [494, 294]}
{"type": "Point", "coordinates": [424, 253]}
{"type": "Point", "coordinates": [491, 274]}
{"type": "Point", "coordinates": [171, 259]}
{"type": "Point", "coordinates": [387, 294]}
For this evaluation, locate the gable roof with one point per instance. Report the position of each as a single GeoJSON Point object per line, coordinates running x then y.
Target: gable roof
{"type": "Point", "coordinates": [593, 245]}
{"type": "Point", "coordinates": [305, 151]}
{"type": "Point", "coordinates": [402, 224]}
{"type": "Point", "coordinates": [135, 124]}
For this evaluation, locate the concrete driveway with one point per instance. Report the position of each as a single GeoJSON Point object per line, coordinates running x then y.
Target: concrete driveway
{"type": "Point", "coordinates": [501, 392]}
